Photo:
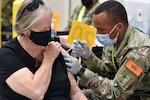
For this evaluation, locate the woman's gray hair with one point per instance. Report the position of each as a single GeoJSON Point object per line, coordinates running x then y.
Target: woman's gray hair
{"type": "Point", "coordinates": [25, 19]}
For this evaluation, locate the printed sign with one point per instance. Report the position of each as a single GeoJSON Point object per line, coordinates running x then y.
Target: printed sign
{"type": "Point", "coordinates": [56, 20]}
{"type": "Point", "coordinates": [81, 31]}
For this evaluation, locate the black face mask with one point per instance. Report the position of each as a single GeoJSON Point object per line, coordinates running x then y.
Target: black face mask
{"type": "Point", "coordinates": [40, 38]}
{"type": "Point", "coordinates": [87, 3]}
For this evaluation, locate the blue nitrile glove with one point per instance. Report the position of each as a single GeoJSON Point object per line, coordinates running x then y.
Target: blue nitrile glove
{"type": "Point", "coordinates": [73, 64]}
{"type": "Point", "coordinates": [81, 48]}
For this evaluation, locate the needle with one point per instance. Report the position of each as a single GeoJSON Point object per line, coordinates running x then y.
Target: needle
{"type": "Point", "coordinates": [70, 48]}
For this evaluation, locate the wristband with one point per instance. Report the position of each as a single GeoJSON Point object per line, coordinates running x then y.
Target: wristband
{"type": "Point", "coordinates": [82, 70]}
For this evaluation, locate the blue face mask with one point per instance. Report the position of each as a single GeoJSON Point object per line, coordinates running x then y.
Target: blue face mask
{"type": "Point", "coordinates": [105, 39]}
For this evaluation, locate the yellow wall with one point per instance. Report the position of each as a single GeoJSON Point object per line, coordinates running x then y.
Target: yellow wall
{"type": "Point", "coordinates": [16, 5]}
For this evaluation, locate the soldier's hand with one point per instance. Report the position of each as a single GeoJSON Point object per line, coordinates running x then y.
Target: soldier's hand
{"type": "Point", "coordinates": [81, 48]}
{"type": "Point", "coordinates": [73, 65]}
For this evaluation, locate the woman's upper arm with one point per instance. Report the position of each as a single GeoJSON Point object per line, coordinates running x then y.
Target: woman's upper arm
{"type": "Point", "coordinates": [75, 91]}
{"type": "Point", "coordinates": [21, 81]}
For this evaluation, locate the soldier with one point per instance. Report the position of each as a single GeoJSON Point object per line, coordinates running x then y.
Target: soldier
{"type": "Point", "coordinates": [83, 13]}
{"type": "Point", "coordinates": [122, 73]}
{"type": "Point", "coordinates": [7, 13]}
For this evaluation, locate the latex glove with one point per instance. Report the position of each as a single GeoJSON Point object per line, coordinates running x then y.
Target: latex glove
{"type": "Point", "coordinates": [81, 48]}
{"type": "Point", "coordinates": [73, 64]}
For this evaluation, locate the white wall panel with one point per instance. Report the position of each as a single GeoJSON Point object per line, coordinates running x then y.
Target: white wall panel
{"type": "Point", "coordinates": [61, 6]}
{"type": "Point", "coordinates": [65, 7]}
{"type": "Point", "coordinates": [73, 4]}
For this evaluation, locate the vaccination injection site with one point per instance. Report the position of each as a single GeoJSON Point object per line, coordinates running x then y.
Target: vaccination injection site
{"type": "Point", "coordinates": [74, 50]}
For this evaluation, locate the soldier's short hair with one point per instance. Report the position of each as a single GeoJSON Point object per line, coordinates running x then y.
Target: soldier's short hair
{"type": "Point", "coordinates": [114, 10]}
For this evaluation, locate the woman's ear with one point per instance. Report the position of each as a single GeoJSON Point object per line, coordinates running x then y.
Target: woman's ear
{"type": "Point", "coordinates": [27, 32]}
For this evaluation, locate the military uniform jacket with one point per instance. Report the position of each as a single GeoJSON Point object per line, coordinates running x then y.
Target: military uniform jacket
{"type": "Point", "coordinates": [122, 69]}
{"type": "Point", "coordinates": [87, 17]}
{"type": "Point", "coordinates": [6, 13]}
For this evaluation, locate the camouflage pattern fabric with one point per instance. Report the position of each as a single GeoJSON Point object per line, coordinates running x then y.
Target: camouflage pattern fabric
{"type": "Point", "coordinates": [87, 17]}
{"type": "Point", "coordinates": [123, 70]}
{"type": "Point", "coordinates": [7, 13]}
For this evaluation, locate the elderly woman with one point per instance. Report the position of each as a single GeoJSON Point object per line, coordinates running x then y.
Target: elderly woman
{"type": "Point", "coordinates": [31, 67]}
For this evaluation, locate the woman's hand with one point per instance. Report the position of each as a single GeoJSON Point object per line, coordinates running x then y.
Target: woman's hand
{"type": "Point", "coordinates": [52, 50]}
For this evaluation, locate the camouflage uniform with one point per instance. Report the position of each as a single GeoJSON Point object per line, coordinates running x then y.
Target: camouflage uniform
{"type": "Point", "coordinates": [123, 70]}
{"type": "Point", "coordinates": [7, 13]}
{"type": "Point", "coordinates": [87, 17]}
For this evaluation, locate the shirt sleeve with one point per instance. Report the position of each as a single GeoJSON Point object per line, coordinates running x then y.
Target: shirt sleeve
{"type": "Point", "coordinates": [130, 76]}
{"type": "Point", "coordinates": [102, 66]}
{"type": "Point", "coordinates": [9, 63]}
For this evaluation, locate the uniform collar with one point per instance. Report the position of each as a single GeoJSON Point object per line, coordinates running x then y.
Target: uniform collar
{"type": "Point", "coordinates": [124, 41]}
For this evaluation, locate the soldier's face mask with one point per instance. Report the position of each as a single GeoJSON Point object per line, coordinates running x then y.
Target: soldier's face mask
{"type": "Point", "coordinates": [40, 38]}
{"type": "Point", "coordinates": [105, 38]}
{"type": "Point", "coordinates": [87, 3]}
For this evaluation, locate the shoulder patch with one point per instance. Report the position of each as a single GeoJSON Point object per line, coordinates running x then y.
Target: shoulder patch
{"type": "Point", "coordinates": [133, 67]}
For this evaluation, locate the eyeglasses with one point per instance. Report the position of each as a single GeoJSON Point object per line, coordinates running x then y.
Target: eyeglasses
{"type": "Point", "coordinates": [32, 6]}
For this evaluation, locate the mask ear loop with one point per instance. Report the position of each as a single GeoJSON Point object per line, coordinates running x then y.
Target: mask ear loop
{"type": "Point", "coordinates": [117, 34]}
{"type": "Point", "coordinates": [113, 29]}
